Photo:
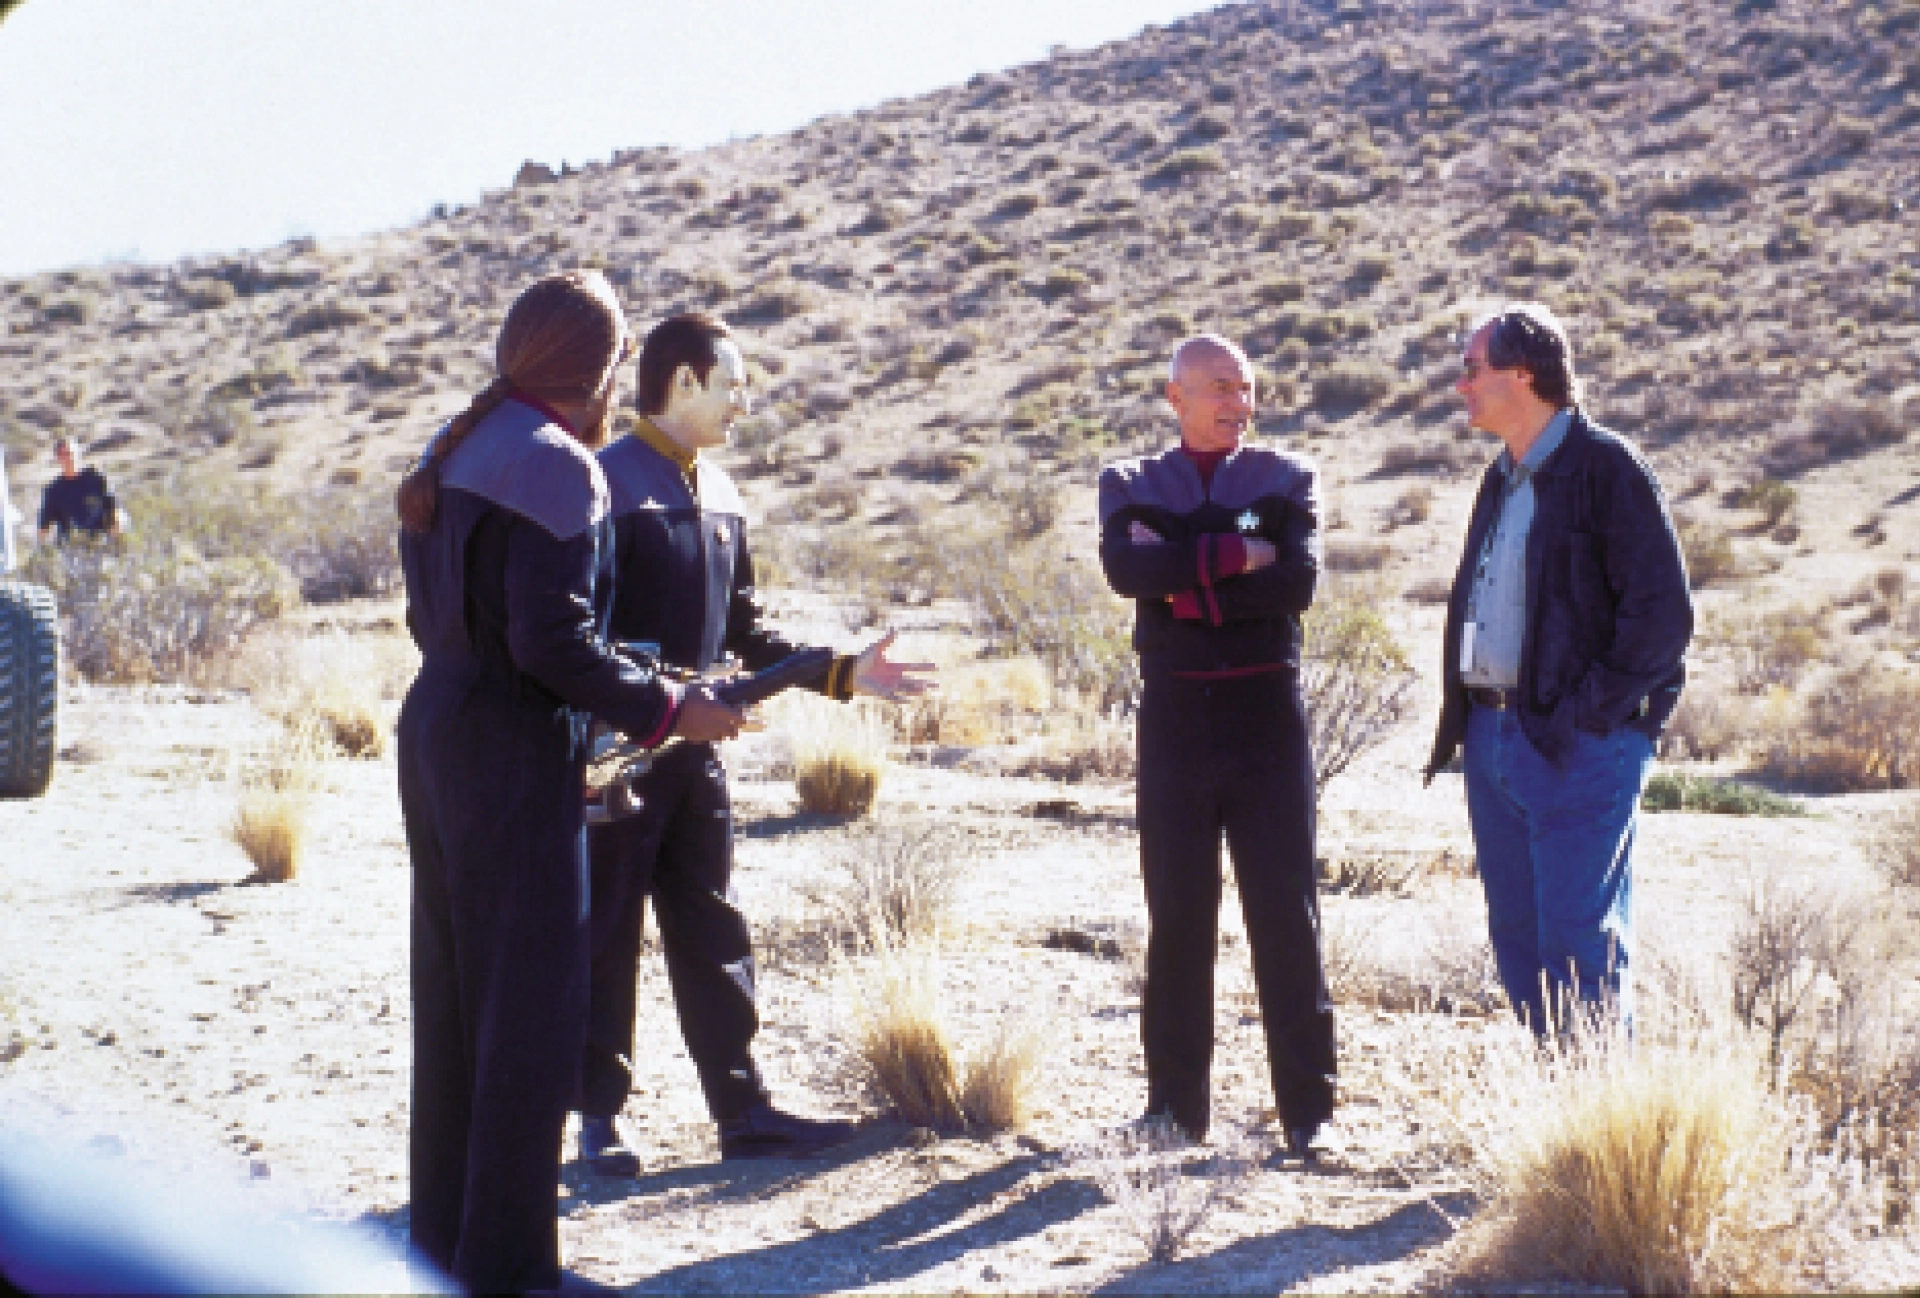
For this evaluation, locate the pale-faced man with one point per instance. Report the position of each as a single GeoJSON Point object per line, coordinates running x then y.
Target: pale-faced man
{"type": "Point", "coordinates": [1564, 656]}
{"type": "Point", "coordinates": [686, 589]}
{"type": "Point", "coordinates": [1217, 544]}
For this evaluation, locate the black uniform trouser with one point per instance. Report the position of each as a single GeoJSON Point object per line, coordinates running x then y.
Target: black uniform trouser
{"type": "Point", "coordinates": [1232, 756]}
{"type": "Point", "coordinates": [679, 850]}
{"type": "Point", "coordinates": [490, 793]}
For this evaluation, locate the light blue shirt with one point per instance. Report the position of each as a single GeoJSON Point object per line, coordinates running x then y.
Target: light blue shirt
{"type": "Point", "coordinates": [1496, 622]}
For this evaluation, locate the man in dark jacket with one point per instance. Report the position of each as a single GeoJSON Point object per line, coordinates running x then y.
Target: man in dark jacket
{"type": "Point", "coordinates": [1564, 656]}
{"type": "Point", "coordinates": [1217, 544]}
{"type": "Point", "coordinates": [77, 500]}
{"type": "Point", "coordinates": [686, 592]}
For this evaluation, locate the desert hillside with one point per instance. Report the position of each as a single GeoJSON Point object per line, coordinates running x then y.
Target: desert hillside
{"type": "Point", "coordinates": [956, 307]}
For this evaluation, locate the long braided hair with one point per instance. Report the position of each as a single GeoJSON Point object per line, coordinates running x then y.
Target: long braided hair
{"type": "Point", "coordinates": [563, 338]}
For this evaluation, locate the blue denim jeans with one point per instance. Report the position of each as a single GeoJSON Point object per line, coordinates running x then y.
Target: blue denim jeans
{"type": "Point", "coordinates": [1555, 846]}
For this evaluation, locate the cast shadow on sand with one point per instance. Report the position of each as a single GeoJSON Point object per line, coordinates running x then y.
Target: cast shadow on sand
{"type": "Point", "coordinates": [895, 1244]}
{"type": "Point", "coordinates": [790, 822]}
{"type": "Point", "coordinates": [1277, 1262]}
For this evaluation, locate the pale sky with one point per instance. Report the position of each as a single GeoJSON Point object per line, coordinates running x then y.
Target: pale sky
{"type": "Point", "coordinates": [152, 129]}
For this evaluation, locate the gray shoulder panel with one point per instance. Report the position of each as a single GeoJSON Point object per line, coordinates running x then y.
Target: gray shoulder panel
{"type": "Point", "coordinates": [520, 461]}
{"type": "Point", "coordinates": [1260, 472]}
{"type": "Point", "coordinates": [1166, 481]}
{"type": "Point", "coordinates": [639, 477]}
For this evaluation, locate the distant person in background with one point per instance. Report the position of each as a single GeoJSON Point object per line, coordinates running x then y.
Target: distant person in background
{"type": "Point", "coordinates": [77, 500]}
{"type": "Point", "coordinates": [686, 590]}
{"type": "Point", "coordinates": [1217, 543]}
{"type": "Point", "coordinates": [1564, 654]}
{"type": "Point", "coordinates": [507, 551]}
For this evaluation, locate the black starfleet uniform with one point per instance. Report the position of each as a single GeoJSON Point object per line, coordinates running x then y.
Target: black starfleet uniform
{"type": "Point", "coordinates": [507, 597]}
{"type": "Point", "coordinates": [686, 586]}
{"type": "Point", "coordinates": [1223, 746]}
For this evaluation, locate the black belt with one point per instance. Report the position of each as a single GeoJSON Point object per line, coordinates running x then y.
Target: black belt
{"type": "Point", "coordinates": [1486, 696]}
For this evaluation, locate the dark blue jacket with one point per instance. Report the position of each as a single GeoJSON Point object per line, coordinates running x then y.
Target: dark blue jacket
{"type": "Point", "coordinates": [1245, 619]}
{"type": "Point", "coordinates": [1609, 614]}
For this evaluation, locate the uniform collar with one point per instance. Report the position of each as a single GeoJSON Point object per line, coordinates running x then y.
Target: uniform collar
{"type": "Point", "coordinates": [683, 459]}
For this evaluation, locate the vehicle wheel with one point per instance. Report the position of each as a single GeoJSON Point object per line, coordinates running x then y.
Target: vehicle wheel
{"type": "Point", "coordinates": [29, 688]}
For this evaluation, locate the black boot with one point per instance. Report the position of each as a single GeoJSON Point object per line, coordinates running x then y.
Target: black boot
{"type": "Point", "coordinates": [604, 1150]}
{"type": "Point", "coordinates": [765, 1132]}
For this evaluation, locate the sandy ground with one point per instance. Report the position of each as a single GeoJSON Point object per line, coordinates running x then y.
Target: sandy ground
{"type": "Point", "coordinates": [261, 1031]}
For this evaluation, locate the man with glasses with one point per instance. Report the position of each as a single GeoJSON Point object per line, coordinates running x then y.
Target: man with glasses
{"type": "Point", "coordinates": [1564, 656]}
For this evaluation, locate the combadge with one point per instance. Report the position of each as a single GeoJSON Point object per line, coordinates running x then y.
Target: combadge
{"type": "Point", "coordinates": [1248, 522]}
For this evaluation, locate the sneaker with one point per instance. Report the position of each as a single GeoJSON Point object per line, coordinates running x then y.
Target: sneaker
{"type": "Point", "coordinates": [604, 1150]}
{"type": "Point", "coordinates": [1300, 1142]}
{"type": "Point", "coordinates": [766, 1132]}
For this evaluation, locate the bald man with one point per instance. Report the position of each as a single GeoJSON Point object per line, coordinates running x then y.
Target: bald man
{"type": "Point", "coordinates": [1217, 544]}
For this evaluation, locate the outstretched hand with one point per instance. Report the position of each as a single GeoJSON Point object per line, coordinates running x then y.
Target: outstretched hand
{"type": "Point", "coordinates": [874, 673]}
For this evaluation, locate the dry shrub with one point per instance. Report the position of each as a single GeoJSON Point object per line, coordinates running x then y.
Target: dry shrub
{"type": "Point", "coordinates": [1164, 1187]}
{"type": "Point", "coordinates": [1356, 556]}
{"type": "Point", "coordinates": [1356, 680]}
{"type": "Point", "coordinates": [839, 752]}
{"type": "Point", "coordinates": [1709, 553]}
{"type": "Point", "coordinates": [338, 682]}
{"type": "Point", "coordinates": [1707, 725]}
{"type": "Point", "coordinates": [1860, 730]}
{"type": "Point", "coordinates": [891, 884]}
{"type": "Point", "coordinates": [1774, 648]}
{"type": "Point", "coordinates": [1444, 969]}
{"type": "Point", "coordinates": [1028, 603]}
{"type": "Point", "coordinates": [978, 702]}
{"type": "Point", "coordinates": [1427, 456]}
{"type": "Point", "coordinates": [276, 797]}
{"type": "Point", "coordinates": [1081, 745]}
{"type": "Point", "coordinates": [1894, 845]}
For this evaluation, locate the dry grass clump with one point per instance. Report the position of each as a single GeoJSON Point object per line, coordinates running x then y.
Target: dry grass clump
{"type": "Point", "coordinates": [907, 1059]}
{"type": "Point", "coordinates": [1663, 1167]}
{"type": "Point", "coordinates": [1164, 1187]}
{"type": "Point", "coordinates": [839, 752]}
{"type": "Point", "coordinates": [272, 820]}
{"type": "Point", "coordinates": [997, 1091]}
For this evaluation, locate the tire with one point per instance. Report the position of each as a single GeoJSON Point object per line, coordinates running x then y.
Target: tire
{"type": "Point", "coordinates": [29, 688]}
